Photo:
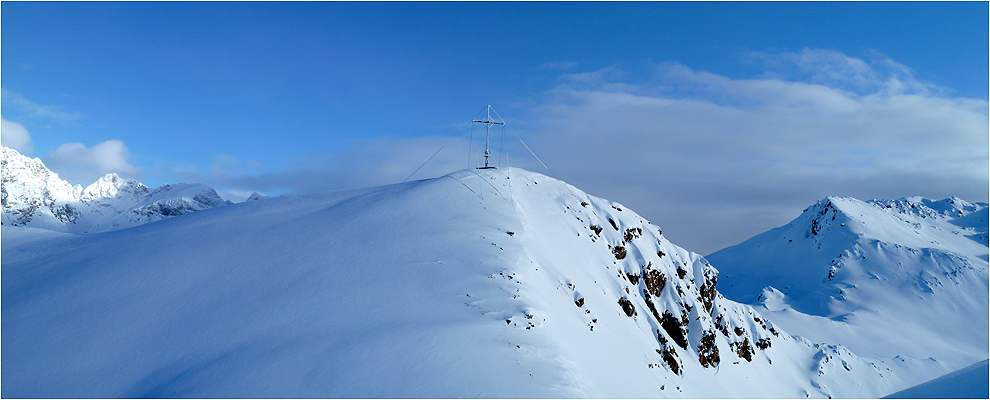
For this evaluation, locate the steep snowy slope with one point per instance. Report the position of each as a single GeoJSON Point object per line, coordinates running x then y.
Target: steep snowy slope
{"type": "Point", "coordinates": [903, 278]}
{"type": "Point", "coordinates": [481, 283]}
{"type": "Point", "coordinates": [33, 195]}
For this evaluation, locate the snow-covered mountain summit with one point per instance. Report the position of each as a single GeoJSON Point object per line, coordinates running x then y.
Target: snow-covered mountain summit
{"type": "Point", "coordinates": [33, 195]}
{"type": "Point", "coordinates": [886, 278]}
{"type": "Point", "coordinates": [481, 283]}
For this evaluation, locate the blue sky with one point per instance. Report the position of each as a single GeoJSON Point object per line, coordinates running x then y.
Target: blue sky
{"type": "Point", "coordinates": [714, 120]}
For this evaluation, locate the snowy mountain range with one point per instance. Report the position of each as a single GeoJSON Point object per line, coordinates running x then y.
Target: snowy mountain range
{"type": "Point", "coordinates": [481, 283]}
{"type": "Point", "coordinates": [886, 278]}
{"type": "Point", "coordinates": [33, 195]}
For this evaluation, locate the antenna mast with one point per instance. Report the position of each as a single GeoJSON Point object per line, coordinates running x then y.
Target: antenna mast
{"type": "Point", "coordinates": [488, 125]}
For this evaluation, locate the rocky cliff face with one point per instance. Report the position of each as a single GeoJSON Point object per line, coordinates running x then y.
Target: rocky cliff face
{"type": "Point", "coordinates": [669, 289]}
{"type": "Point", "coordinates": [33, 195]}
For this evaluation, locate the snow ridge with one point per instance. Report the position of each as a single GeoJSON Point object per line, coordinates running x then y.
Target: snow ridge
{"type": "Point", "coordinates": [903, 279]}
{"type": "Point", "coordinates": [480, 283]}
{"type": "Point", "coordinates": [33, 195]}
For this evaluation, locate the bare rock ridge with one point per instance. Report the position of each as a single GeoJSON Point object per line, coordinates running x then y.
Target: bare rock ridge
{"type": "Point", "coordinates": [33, 195]}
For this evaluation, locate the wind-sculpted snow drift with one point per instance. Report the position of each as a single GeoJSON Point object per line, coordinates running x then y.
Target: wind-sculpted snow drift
{"type": "Point", "coordinates": [481, 283]}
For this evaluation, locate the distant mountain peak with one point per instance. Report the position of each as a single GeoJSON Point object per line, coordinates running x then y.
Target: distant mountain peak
{"type": "Point", "coordinates": [903, 277]}
{"type": "Point", "coordinates": [948, 208]}
{"type": "Point", "coordinates": [35, 196]}
{"type": "Point", "coordinates": [905, 220]}
{"type": "Point", "coordinates": [256, 196]}
{"type": "Point", "coordinates": [111, 185]}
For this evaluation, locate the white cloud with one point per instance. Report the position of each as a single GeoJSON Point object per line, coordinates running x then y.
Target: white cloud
{"type": "Point", "coordinates": [715, 160]}
{"type": "Point", "coordinates": [375, 162]}
{"type": "Point", "coordinates": [79, 164]}
{"type": "Point", "coordinates": [31, 109]}
{"type": "Point", "coordinates": [225, 166]}
{"type": "Point", "coordinates": [876, 74]}
{"type": "Point", "coordinates": [15, 136]}
{"type": "Point", "coordinates": [367, 163]}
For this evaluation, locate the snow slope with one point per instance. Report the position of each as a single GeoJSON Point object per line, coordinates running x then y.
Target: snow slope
{"type": "Point", "coordinates": [904, 278]}
{"type": "Point", "coordinates": [33, 195]}
{"type": "Point", "coordinates": [972, 382]}
{"type": "Point", "coordinates": [481, 283]}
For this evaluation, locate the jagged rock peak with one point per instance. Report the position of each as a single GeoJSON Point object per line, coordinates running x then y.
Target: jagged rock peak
{"type": "Point", "coordinates": [862, 218]}
{"type": "Point", "coordinates": [35, 196]}
{"type": "Point", "coordinates": [914, 205]}
{"type": "Point", "coordinates": [112, 185]}
{"type": "Point", "coordinates": [950, 207]}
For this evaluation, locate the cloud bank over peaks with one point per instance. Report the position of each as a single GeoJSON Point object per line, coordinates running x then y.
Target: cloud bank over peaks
{"type": "Point", "coordinates": [79, 164]}
{"type": "Point", "coordinates": [74, 162]}
{"type": "Point", "coordinates": [366, 163]}
{"type": "Point", "coordinates": [678, 143]}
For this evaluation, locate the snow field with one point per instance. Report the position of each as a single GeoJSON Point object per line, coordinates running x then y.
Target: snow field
{"type": "Point", "coordinates": [480, 283]}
